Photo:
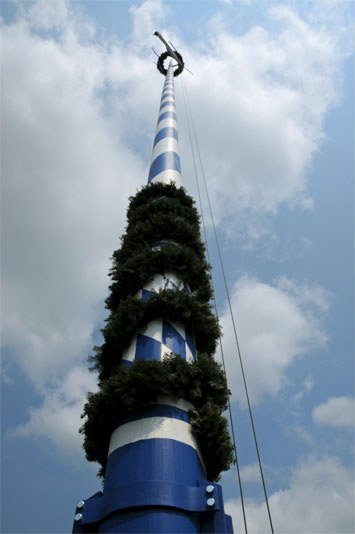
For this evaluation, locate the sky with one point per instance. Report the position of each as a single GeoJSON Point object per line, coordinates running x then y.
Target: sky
{"type": "Point", "coordinates": [272, 100]}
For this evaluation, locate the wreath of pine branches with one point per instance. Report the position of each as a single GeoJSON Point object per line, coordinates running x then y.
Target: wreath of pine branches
{"type": "Point", "coordinates": [162, 236]}
{"type": "Point", "coordinates": [132, 389]}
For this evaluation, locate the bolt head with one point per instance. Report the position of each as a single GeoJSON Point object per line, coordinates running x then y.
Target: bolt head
{"type": "Point", "coordinates": [80, 504]}
{"type": "Point", "coordinates": [77, 517]}
{"type": "Point", "coordinates": [211, 502]}
{"type": "Point", "coordinates": [210, 488]}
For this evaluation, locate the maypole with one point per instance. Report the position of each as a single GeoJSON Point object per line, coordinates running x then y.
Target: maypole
{"type": "Point", "coordinates": [155, 425]}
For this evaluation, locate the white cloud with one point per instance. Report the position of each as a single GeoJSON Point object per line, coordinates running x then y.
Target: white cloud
{"type": "Point", "coordinates": [335, 412]}
{"type": "Point", "coordinates": [58, 417]}
{"type": "Point", "coordinates": [44, 15]}
{"type": "Point", "coordinates": [147, 18]}
{"type": "Point", "coordinates": [73, 119]}
{"type": "Point", "coordinates": [250, 473]}
{"type": "Point", "coordinates": [307, 386]}
{"type": "Point", "coordinates": [268, 94]}
{"type": "Point", "coordinates": [70, 168]}
{"type": "Point", "coordinates": [67, 176]}
{"type": "Point", "coordinates": [319, 499]}
{"type": "Point", "coordinates": [275, 325]}
{"type": "Point", "coordinates": [302, 434]}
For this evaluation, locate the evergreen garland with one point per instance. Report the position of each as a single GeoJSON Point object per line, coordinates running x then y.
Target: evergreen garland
{"type": "Point", "coordinates": [131, 275]}
{"type": "Point", "coordinates": [160, 226]}
{"type": "Point", "coordinates": [132, 389]}
{"type": "Point", "coordinates": [160, 212]}
{"type": "Point", "coordinates": [132, 314]}
{"type": "Point", "coordinates": [162, 236]}
{"type": "Point", "coordinates": [154, 192]}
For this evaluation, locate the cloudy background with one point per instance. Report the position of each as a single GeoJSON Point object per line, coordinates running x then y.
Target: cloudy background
{"type": "Point", "coordinates": [272, 100]}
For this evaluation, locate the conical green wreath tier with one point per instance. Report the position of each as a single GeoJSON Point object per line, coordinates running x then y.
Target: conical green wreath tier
{"type": "Point", "coordinates": [162, 235]}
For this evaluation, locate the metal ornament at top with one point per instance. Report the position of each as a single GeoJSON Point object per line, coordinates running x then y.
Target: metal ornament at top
{"type": "Point", "coordinates": [170, 52]}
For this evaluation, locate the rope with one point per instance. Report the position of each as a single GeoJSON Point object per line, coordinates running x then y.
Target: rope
{"type": "Point", "coordinates": [215, 306]}
{"type": "Point", "coordinates": [233, 321]}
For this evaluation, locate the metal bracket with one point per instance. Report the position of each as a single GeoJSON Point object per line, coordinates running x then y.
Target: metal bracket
{"type": "Point", "coordinates": [147, 494]}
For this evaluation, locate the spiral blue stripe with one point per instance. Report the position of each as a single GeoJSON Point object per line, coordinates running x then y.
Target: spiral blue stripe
{"type": "Point", "coordinates": [167, 103]}
{"type": "Point", "coordinates": [166, 161]}
{"type": "Point", "coordinates": [167, 115]}
{"type": "Point", "coordinates": [169, 131]}
{"type": "Point", "coordinates": [167, 92]}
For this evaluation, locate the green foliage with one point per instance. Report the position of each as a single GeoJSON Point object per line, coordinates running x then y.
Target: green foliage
{"type": "Point", "coordinates": [132, 389]}
{"type": "Point", "coordinates": [132, 314]}
{"type": "Point", "coordinates": [156, 191]}
{"type": "Point", "coordinates": [157, 227]}
{"type": "Point", "coordinates": [163, 204]}
{"type": "Point", "coordinates": [131, 275]}
{"type": "Point", "coordinates": [159, 213]}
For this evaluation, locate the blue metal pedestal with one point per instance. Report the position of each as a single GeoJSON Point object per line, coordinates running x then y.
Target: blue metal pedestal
{"type": "Point", "coordinates": [154, 485]}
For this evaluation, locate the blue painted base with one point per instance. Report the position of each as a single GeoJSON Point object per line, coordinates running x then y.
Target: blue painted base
{"type": "Point", "coordinates": [169, 461]}
{"type": "Point", "coordinates": [154, 485]}
{"type": "Point", "coordinates": [159, 520]}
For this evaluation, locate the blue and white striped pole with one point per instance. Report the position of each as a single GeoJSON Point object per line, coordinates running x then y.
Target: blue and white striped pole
{"type": "Point", "coordinates": [157, 444]}
{"type": "Point", "coordinates": [155, 479]}
{"type": "Point", "coordinates": [165, 166]}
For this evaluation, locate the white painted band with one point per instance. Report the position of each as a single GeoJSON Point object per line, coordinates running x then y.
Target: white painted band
{"type": "Point", "coordinates": [153, 428]}
{"type": "Point", "coordinates": [175, 402]}
{"type": "Point", "coordinates": [167, 99]}
{"type": "Point", "coordinates": [166, 123]}
{"type": "Point", "coordinates": [168, 176]}
{"type": "Point", "coordinates": [168, 144]}
{"type": "Point", "coordinates": [168, 108]}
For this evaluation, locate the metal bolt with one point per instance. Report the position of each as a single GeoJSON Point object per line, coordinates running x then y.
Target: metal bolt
{"type": "Point", "coordinates": [210, 488]}
{"type": "Point", "coordinates": [77, 517]}
{"type": "Point", "coordinates": [211, 502]}
{"type": "Point", "coordinates": [80, 504]}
